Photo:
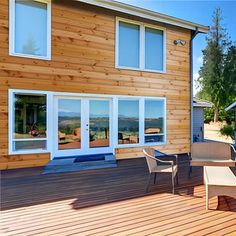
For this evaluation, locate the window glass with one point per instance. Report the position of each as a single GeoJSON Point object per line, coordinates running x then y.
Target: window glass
{"type": "Point", "coordinates": [30, 28]}
{"type": "Point", "coordinates": [154, 121]}
{"type": "Point", "coordinates": [99, 125]}
{"type": "Point", "coordinates": [30, 122]}
{"type": "Point", "coordinates": [153, 49]}
{"type": "Point", "coordinates": [128, 121]}
{"type": "Point", "coordinates": [30, 116]}
{"type": "Point", "coordinates": [129, 44]}
{"type": "Point", "coordinates": [29, 145]}
{"type": "Point", "coordinates": [69, 124]}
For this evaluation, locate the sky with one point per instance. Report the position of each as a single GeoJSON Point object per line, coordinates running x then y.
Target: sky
{"type": "Point", "coordinates": [201, 12]}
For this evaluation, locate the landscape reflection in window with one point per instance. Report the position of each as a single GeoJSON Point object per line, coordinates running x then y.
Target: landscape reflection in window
{"type": "Point", "coordinates": [99, 123]}
{"type": "Point", "coordinates": [69, 124]}
{"type": "Point", "coordinates": [128, 121]}
{"type": "Point", "coordinates": [154, 121]}
{"type": "Point", "coordinates": [30, 115]}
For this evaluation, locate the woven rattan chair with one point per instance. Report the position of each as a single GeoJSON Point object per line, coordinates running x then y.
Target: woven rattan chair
{"type": "Point", "coordinates": [156, 165]}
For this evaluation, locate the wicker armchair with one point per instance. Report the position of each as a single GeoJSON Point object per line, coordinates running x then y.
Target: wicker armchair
{"type": "Point", "coordinates": [156, 165]}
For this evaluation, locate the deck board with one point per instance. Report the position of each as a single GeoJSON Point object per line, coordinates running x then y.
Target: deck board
{"type": "Point", "coordinates": [111, 202]}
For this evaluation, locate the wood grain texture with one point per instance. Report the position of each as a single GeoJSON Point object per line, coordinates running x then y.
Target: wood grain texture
{"type": "Point", "coordinates": [102, 202]}
{"type": "Point", "coordinates": [83, 61]}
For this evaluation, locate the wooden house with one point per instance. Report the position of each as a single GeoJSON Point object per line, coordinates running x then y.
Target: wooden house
{"type": "Point", "coordinates": [89, 77]}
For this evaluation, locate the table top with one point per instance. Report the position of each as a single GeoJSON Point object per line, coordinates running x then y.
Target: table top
{"type": "Point", "coordinates": [219, 175]}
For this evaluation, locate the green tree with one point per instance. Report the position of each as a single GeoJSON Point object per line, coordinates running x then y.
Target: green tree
{"type": "Point", "coordinates": [211, 75]}
{"type": "Point", "coordinates": [230, 74]}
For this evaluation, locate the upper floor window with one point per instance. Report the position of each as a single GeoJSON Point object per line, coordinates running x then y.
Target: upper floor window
{"type": "Point", "coordinates": [30, 28]}
{"type": "Point", "coordinates": [140, 46]}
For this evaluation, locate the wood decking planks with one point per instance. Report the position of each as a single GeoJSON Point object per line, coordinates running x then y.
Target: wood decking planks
{"type": "Point", "coordinates": [111, 202]}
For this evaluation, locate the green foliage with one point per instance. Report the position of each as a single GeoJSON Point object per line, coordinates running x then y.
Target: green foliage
{"type": "Point", "coordinates": [217, 76]}
{"type": "Point", "coordinates": [230, 74]}
{"type": "Point", "coordinates": [227, 116]}
{"type": "Point", "coordinates": [208, 115]}
{"type": "Point", "coordinates": [227, 130]}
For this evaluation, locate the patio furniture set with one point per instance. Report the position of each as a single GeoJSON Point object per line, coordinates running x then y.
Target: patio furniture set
{"type": "Point", "coordinates": [215, 158]}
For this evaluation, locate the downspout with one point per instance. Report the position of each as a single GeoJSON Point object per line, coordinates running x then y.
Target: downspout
{"type": "Point", "coordinates": [193, 35]}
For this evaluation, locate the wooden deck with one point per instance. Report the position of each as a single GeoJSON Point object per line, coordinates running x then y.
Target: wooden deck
{"type": "Point", "coordinates": [110, 202]}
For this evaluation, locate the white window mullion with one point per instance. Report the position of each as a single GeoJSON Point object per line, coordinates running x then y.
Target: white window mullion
{"type": "Point", "coordinates": [49, 29]}
{"type": "Point", "coordinates": [141, 121]}
{"type": "Point", "coordinates": [117, 44]}
{"type": "Point", "coordinates": [85, 124]}
{"type": "Point", "coordinates": [165, 129]}
{"type": "Point", "coordinates": [50, 120]}
{"type": "Point", "coordinates": [11, 122]}
{"type": "Point", "coordinates": [142, 47]}
{"type": "Point", "coordinates": [115, 121]}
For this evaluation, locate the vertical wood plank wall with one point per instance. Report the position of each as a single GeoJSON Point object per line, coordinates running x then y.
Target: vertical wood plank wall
{"type": "Point", "coordinates": [83, 61]}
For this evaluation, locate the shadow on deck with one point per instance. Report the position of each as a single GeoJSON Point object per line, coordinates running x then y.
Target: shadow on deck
{"type": "Point", "coordinates": [109, 201]}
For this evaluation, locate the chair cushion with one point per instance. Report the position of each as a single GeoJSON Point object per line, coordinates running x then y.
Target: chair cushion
{"type": "Point", "coordinates": [165, 169]}
{"type": "Point", "coordinates": [211, 162]}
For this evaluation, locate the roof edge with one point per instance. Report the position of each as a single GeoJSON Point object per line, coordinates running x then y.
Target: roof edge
{"type": "Point", "coordinates": [197, 102]}
{"type": "Point", "coordinates": [147, 14]}
{"type": "Point", "coordinates": [203, 105]}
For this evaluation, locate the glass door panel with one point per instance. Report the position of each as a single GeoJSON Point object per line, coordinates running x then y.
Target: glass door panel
{"type": "Point", "coordinates": [69, 124]}
{"type": "Point", "coordinates": [99, 123]}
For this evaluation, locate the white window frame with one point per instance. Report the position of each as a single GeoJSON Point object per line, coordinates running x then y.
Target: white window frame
{"type": "Point", "coordinates": [50, 145]}
{"type": "Point", "coordinates": [164, 120]}
{"type": "Point", "coordinates": [12, 31]}
{"type": "Point", "coordinates": [11, 108]}
{"type": "Point", "coordinates": [141, 46]}
{"type": "Point", "coordinates": [142, 121]}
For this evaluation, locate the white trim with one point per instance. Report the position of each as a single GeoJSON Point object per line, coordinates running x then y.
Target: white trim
{"type": "Point", "coordinates": [164, 134]}
{"type": "Point", "coordinates": [203, 105]}
{"type": "Point", "coordinates": [85, 115]}
{"type": "Point", "coordinates": [142, 27]}
{"type": "Point", "coordinates": [142, 142]}
{"type": "Point", "coordinates": [29, 139]}
{"type": "Point", "coordinates": [12, 31]}
{"type": "Point", "coordinates": [142, 120]}
{"type": "Point", "coordinates": [11, 129]}
{"type": "Point", "coordinates": [147, 14]}
{"type": "Point", "coordinates": [52, 114]}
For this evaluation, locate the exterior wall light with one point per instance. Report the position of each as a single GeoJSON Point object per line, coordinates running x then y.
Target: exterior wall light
{"type": "Point", "coordinates": [178, 41]}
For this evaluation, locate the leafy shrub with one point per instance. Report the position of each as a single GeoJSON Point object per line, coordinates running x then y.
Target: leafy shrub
{"type": "Point", "coordinates": [227, 130]}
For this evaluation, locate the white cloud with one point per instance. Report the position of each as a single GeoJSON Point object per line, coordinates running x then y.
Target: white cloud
{"type": "Point", "coordinates": [200, 60]}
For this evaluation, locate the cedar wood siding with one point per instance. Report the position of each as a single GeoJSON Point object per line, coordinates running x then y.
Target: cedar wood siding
{"type": "Point", "coordinates": [83, 61]}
